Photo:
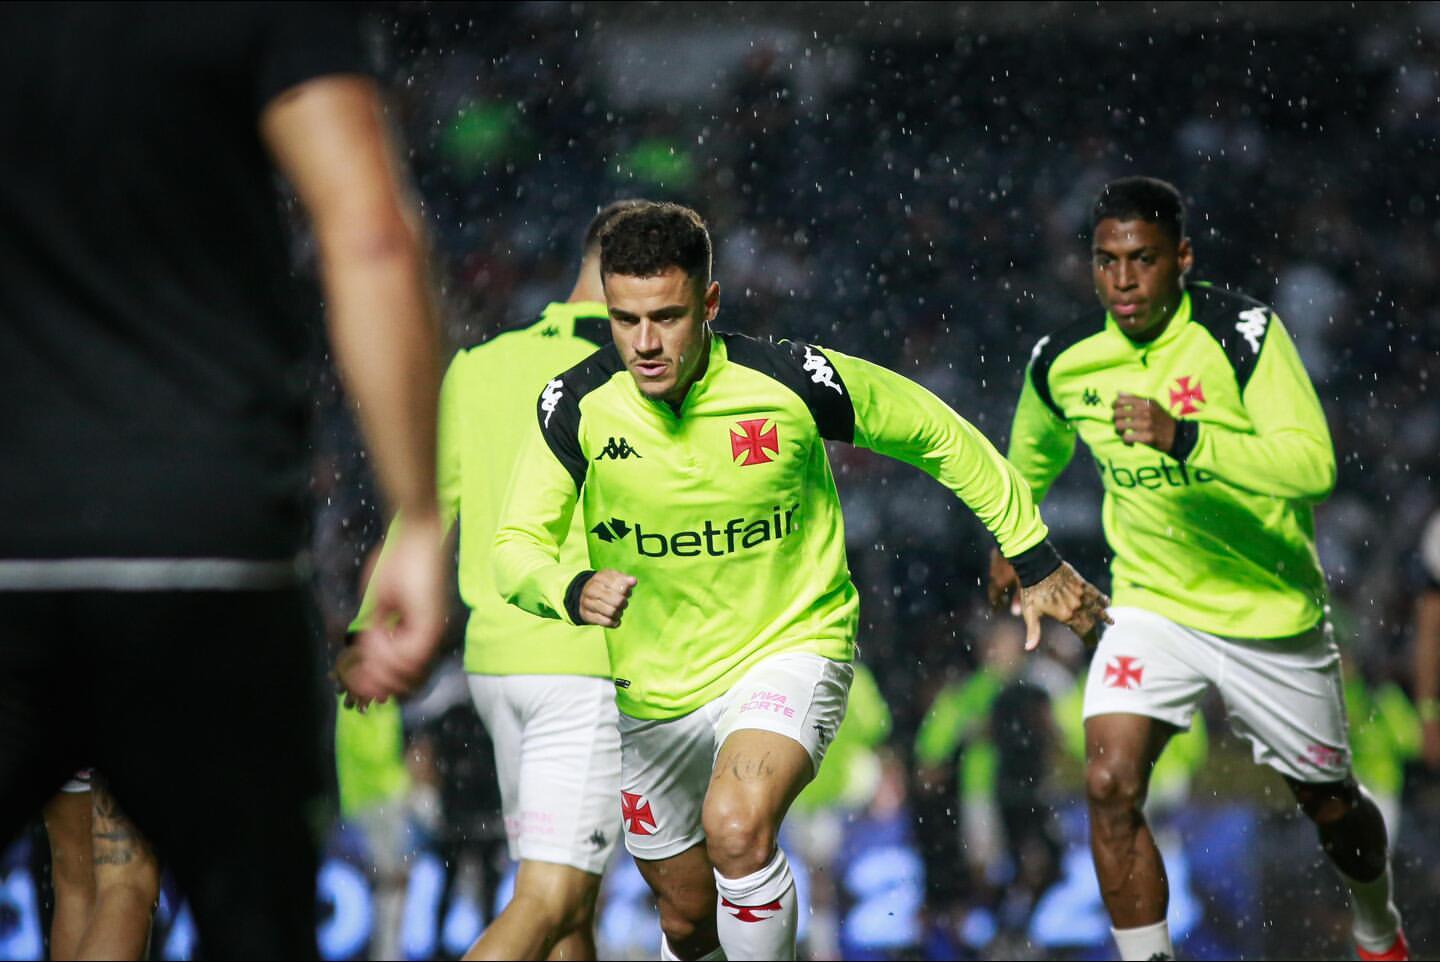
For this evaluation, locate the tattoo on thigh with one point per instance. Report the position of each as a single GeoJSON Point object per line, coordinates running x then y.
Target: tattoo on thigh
{"type": "Point", "coordinates": [746, 768]}
{"type": "Point", "coordinates": [116, 840]}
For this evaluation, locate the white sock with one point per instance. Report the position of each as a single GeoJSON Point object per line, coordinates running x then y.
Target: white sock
{"type": "Point", "coordinates": [667, 954]}
{"type": "Point", "coordinates": [1145, 943]}
{"type": "Point", "coordinates": [756, 915]}
{"type": "Point", "coordinates": [1376, 919]}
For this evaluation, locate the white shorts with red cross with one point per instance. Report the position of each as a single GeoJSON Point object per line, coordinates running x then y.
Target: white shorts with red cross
{"type": "Point", "coordinates": [665, 765]}
{"type": "Point", "coordinates": [1284, 695]}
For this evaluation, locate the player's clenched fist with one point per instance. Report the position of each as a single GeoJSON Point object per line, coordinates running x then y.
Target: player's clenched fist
{"type": "Point", "coordinates": [604, 597]}
{"type": "Point", "coordinates": [1140, 420]}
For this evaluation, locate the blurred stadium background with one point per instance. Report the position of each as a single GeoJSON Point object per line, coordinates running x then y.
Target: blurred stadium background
{"type": "Point", "coordinates": [911, 182]}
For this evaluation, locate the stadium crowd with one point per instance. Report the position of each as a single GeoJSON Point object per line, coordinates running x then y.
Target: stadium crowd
{"type": "Point", "coordinates": [922, 201]}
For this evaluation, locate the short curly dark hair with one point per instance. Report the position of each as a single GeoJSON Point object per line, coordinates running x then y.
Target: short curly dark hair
{"type": "Point", "coordinates": [650, 238]}
{"type": "Point", "coordinates": [1142, 198]}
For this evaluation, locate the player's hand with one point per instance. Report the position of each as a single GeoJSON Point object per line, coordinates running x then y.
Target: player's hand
{"type": "Point", "coordinates": [604, 598]}
{"type": "Point", "coordinates": [1068, 598]}
{"type": "Point", "coordinates": [1140, 420]}
{"type": "Point", "coordinates": [1004, 584]}
{"type": "Point", "coordinates": [344, 665]}
{"type": "Point", "coordinates": [393, 656]}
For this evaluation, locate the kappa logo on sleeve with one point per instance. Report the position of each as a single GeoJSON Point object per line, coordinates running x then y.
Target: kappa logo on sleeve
{"type": "Point", "coordinates": [820, 370]}
{"type": "Point", "coordinates": [550, 399]}
{"type": "Point", "coordinates": [1252, 326]}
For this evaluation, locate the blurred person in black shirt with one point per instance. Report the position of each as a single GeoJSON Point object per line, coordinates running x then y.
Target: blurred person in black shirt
{"type": "Point", "coordinates": [153, 428]}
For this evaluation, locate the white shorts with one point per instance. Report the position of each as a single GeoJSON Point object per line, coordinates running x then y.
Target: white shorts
{"type": "Point", "coordinates": [557, 753]}
{"type": "Point", "coordinates": [667, 764]}
{"type": "Point", "coordinates": [1285, 695]}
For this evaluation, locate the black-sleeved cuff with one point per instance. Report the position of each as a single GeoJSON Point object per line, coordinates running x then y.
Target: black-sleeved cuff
{"type": "Point", "coordinates": [1187, 435]}
{"type": "Point", "coordinates": [572, 595]}
{"type": "Point", "coordinates": [1036, 564]}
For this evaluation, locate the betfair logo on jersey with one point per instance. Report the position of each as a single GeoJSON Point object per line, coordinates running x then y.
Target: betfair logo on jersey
{"type": "Point", "coordinates": [1167, 474]}
{"type": "Point", "coordinates": [714, 540]}
{"type": "Point", "coordinates": [617, 452]}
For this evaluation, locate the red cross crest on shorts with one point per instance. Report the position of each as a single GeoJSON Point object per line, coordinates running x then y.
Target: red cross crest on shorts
{"type": "Point", "coordinates": [1188, 396]}
{"type": "Point", "coordinates": [751, 441]}
{"type": "Point", "coordinates": [1123, 672]}
{"type": "Point", "coordinates": [746, 913]}
{"type": "Point", "coordinates": [636, 813]}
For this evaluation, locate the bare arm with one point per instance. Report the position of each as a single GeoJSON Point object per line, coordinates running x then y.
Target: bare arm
{"type": "Point", "coordinates": [1427, 673]}
{"type": "Point", "coordinates": [328, 138]}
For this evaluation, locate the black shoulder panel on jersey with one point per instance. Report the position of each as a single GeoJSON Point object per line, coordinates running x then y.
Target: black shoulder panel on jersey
{"type": "Point", "coordinates": [804, 369]}
{"type": "Point", "coordinates": [559, 407]}
{"type": "Point", "coordinates": [596, 330]}
{"type": "Point", "coordinates": [1238, 323]}
{"type": "Point", "coordinates": [1049, 348]}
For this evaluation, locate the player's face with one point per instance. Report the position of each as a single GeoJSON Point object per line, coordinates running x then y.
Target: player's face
{"type": "Point", "coordinates": [661, 326]}
{"type": "Point", "coordinates": [1139, 274]}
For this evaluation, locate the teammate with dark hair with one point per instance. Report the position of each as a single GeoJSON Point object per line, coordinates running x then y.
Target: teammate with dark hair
{"type": "Point", "coordinates": [717, 564]}
{"type": "Point", "coordinates": [541, 687]}
{"type": "Point", "coordinates": [154, 619]}
{"type": "Point", "coordinates": [1212, 448]}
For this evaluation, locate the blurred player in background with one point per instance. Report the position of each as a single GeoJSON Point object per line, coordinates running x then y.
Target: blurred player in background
{"type": "Point", "coordinates": [699, 464]}
{"type": "Point", "coordinates": [104, 875]}
{"type": "Point", "coordinates": [1212, 447]}
{"type": "Point", "coordinates": [153, 617]}
{"type": "Point", "coordinates": [542, 687]}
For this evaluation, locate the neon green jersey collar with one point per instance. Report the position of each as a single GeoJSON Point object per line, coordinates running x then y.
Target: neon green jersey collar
{"type": "Point", "coordinates": [1173, 328]}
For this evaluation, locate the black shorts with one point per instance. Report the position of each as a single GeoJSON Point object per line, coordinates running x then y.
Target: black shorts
{"type": "Point", "coordinates": [204, 710]}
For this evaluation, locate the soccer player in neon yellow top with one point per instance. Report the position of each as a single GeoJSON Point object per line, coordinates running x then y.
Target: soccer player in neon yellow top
{"type": "Point", "coordinates": [698, 463]}
{"type": "Point", "coordinates": [1212, 448]}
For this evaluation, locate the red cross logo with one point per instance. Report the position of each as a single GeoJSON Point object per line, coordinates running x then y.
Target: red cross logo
{"type": "Point", "coordinates": [1186, 396]}
{"type": "Point", "coordinates": [1123, 672]}
{"type": "Point", "coordinates": [751, 442]}
{"type": "Point", "coordinates": [636, 813]}
{"type": "Point", "coordinates": [746, 913]}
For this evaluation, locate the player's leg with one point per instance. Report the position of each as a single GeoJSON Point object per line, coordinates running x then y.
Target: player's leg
{"type": "Point", "coordinates": [664, 772]}
{"type": "Point", "coordinates": [127, 885]}
{"type": "Point", "coordinates": [1287, 698]}
{"type": "Point", "coordinates": [778, 721]}
{"type": "Point", "coordinates": [1146, 679]}
{"type": "Point", "coordinates": [216, 696]}
{"type": "Point", "coordinates": [684, 887]}
{"type": "Point", "coordinates": [558, 756]}
{"type": "Point", "coordinates": [1120, 752]}
{"type": "Point", "coordinates": [67, 823]}
{"type": "Point", "coordinates": [757, 776]}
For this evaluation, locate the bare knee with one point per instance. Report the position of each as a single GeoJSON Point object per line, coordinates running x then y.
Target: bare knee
{"type": "Point", "coordinates": [561, 898]}
{"type": "Point", "coordinates": [738, 838]}
{"type": "Point", "coordinates": [1329, 803]}
{"type": "Point", "coordinates": [1115, 790]}
{"type": "Point", "coordinates": [689, 925]}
